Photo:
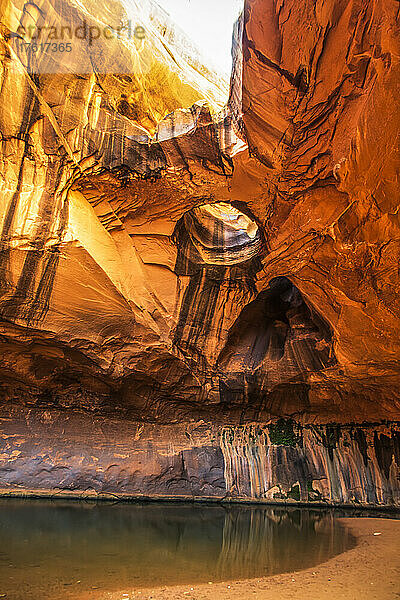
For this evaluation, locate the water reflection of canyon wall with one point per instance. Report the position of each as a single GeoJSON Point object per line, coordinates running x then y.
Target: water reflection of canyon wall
{"type": "Point", "coordinates": [274, 540]}
{"type": "Point", "coordinates": [117, 546]}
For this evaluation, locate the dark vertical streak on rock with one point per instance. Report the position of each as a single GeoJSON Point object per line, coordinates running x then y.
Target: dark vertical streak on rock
{"type": "Point", "coordinates": [25, 303]}
{"type": "Point", "coordinates": [322, 462]}
{"type": "Point", "coordinates": [384, 451]}
{"type": "Point", "coordinates": [5, 251]}
{"type": "Point", "coordinates": [30, 115]}
{"type": "Point", "coordinates": [41, 303]}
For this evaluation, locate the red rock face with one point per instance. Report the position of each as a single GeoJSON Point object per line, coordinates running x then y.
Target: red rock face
{"type": "Point", "coordinates": [154, 268]}
{"type": "Point", "coordinates": [320, 88]}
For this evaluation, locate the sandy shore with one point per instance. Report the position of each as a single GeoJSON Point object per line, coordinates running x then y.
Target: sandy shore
{"type": "Point", "coordinates": [370, 571]}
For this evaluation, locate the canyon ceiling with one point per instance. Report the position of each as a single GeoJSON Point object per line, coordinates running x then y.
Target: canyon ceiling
{"type": "Point", "coordinates": [193, 272]}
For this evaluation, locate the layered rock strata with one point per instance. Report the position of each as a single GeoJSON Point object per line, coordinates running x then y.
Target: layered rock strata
{"type": "Point", "coordinates": [57, 453]}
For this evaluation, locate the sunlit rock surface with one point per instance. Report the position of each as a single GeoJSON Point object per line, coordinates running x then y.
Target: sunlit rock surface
{"type": "Point", "coordinates": [175, 253]}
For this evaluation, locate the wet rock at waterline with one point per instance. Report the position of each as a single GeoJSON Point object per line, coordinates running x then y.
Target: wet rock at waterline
{"type": "Point", "coordinates": [169, 256]}
{"type": "Point", "coordinates": [58, 452]}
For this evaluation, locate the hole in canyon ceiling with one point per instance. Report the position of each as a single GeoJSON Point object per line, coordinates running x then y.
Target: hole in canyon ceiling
{"type": "Point", "coordinates": [216, 234]}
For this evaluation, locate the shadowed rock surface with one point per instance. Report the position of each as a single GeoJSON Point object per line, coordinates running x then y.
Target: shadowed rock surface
{"type": "Point", "coordinates": [168, 261]}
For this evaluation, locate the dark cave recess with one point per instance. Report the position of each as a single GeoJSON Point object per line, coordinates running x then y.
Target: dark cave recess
{"type": "Point", "coordinates": [277, 339]}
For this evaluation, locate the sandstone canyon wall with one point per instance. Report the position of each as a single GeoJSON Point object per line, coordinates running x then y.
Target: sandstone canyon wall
{"type": "Point", "coordinates": [199, 289]}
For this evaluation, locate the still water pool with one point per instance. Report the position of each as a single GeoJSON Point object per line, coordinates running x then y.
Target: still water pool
{"type": "Point", "coordinates": [71, 550]}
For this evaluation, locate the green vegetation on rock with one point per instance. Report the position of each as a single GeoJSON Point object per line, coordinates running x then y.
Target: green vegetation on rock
{"type": "Point", "coordinates": [282, 433]}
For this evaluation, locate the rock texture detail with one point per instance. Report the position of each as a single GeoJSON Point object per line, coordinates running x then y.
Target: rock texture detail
{"type": "Point", "coordinates": [48, 452]}
{"type": "Point", "coordinates": [173, 253]}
